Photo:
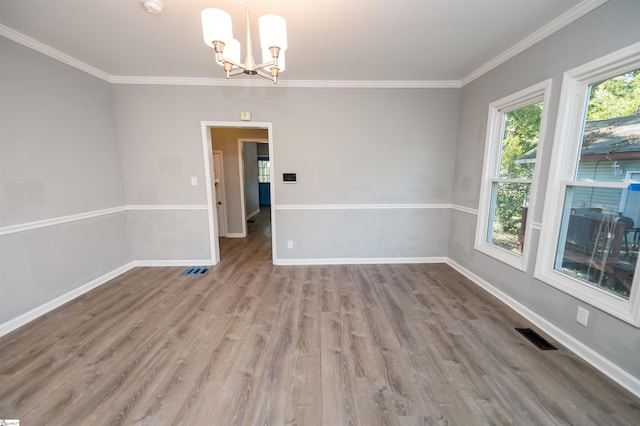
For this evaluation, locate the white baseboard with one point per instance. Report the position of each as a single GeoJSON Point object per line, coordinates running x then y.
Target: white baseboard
{"type": "Point", "coordinates": [235, 235]}
{"type": "Point", "coordinates": [360, 261]}
{"type": "Point", "coordinates": [613, 371]}
{"type": "Point", "coordinates": [34, 313]}
{"type": "Point", "coordinates": [250, 215]}
{"type": "Point", "coordinates": [194, 262]}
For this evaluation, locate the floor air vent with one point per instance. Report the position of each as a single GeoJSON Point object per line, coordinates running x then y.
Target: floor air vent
{"type": "Point", "coordinates": [536, 339]}
{"type": "Point", "coordinates": [195, 270]}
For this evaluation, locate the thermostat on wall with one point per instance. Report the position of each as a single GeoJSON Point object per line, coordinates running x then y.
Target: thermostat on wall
{"type": "Point", "coordinates": [289, 177]}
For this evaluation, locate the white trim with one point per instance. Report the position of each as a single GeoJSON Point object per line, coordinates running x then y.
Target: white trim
{"type": "Point", "coordinates": [360, 206]}
{"type": "Point", "coordinates": [167, 207]}
{"type": "Point", "coordinates": [252, 214]}
{"type": "Point", "coordinates": [557, 24]}
{"type": "Point", "coordinates": [360, 261]}
{"type": "Point", "coordinates": [243, 207]}
{"type": "Point", "coordinates": [235, 235]}
{"type": "Point", "coordinates": [536, 225]}
{"type": "Point", "coordinates": [567, 137]}
{"type": "Point", "coordinates": [38, 311]}
{"type": "Point", "coordinates": [613, 371]}
{"type": "Point", "coordinates": [464, 209]}
{"type": "Point", "coordinates": [223, 225]}
{"type": "Point", "coordinates": [170, 262]}
{"type": "Point", "coordinates": [22, 227]}
{"type": "Point", "coordinates": [272, 193]}
{"type": "Point", "coordinates": [622, 184]}
{"type": "Point", "coordinates": [373, 84]}
{"type": "Point", "coordinates": [537, 93]}
{"type": "Point", "coordinates": [320, 84]}
{"type": "Point", "coordinates": [208, 153]}
{"type": "Point", "coordinates": [49, 51]}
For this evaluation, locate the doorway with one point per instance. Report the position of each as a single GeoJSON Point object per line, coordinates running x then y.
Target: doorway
{"type": "Point", "coordinates": [234, 223]}
{"type": "Point", "coordinates": [250, 184]}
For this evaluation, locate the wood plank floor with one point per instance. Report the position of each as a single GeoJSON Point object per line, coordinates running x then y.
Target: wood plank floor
{"type": "Point", "coordinates": [249, 343]}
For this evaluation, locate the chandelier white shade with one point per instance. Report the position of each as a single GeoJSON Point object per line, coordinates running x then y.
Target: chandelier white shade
{"type": "Point", "coordinates": [218, 34]}
{"type": "Point", "coordinates": [216, 26]}
{"type": "Point", "coordinates": [273, 32]}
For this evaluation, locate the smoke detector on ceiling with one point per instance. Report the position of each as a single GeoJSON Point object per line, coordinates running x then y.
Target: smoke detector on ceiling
{"type": "Point", "coordinates": [154, 7]}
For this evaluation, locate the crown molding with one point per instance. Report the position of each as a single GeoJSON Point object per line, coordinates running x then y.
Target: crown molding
{"type": "Point", "coordinates": [374, 84]}
{"type": "Point", "coordinates": [321, 84]}
{"type": "Point", "coordinates": [360, 206]}
{"type": "Point", "coordinates": [557, 24]}
{"type": "Point", "coordinates": [49, 51]}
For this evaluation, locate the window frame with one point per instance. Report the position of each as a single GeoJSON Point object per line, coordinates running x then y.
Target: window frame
{"type": "Point", "coordinates": [567, 144]}
{"type": "Point", "coordinates": [264, 158]}
{"type": "Point", "coordinates": [539, 92]}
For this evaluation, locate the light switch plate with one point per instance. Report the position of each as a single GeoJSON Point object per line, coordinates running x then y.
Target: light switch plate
{"type": "Point", "coordinates": [583, 316]}
{"type": "Point", "coordinates": [194, 180]}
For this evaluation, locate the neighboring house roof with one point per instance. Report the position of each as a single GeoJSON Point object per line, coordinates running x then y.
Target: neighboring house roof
{"type": "Point", "coordinates": [617, 137]}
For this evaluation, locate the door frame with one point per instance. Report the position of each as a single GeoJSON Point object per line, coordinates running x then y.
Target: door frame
{"type": "Point", "coordinates": [243, 204]}
{"type": "Point", "coordinates": [212, 214]}
{"type": "Point", "coordinates": [222, 230]}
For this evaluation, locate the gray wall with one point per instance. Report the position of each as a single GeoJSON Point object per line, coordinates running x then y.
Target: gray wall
{"type": "Point", "coordinates": [612, 26]}
{"type": "Point", "coordinates": [169, 235]}
{"type": "Point", "coordinates": [58, 157]}
{"type": "Point", "coordinates": [263, 149]}
{"type": "Point", "coordinates": [348, 146]}
{"type": "Point", "coordinates": [354, 234]}
{"type": "Point", "coordinates": [250, 161]}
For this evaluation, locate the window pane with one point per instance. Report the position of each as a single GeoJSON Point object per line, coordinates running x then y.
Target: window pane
{"type": "Point", "coordinates": [264, 171]}
{"type": "Point", "coordinates": [508, 216]}
{"type": "Point", "coordinates": [611, 133]}
{"type": "Point", "coordinates": [521, 131]}
{"type": "Point", "coordinates": [598, 245]}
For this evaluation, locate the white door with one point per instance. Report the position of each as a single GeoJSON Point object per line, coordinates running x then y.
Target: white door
{"type": "Point", "coordinates": [218, 176]}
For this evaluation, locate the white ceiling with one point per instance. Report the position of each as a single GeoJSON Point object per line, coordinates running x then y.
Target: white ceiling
{"type": "Point", "coordinates": [341, 40]}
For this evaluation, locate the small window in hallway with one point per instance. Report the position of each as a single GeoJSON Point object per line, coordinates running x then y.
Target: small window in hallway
{"type": "Point", "coordinates": [264, 174]}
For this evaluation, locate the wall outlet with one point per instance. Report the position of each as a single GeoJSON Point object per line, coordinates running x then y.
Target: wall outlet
{"type": "Point", "coordinates": [289, 244]}
{"type": "Point", "coordinates": [583, 316]}
{"type": "Point", "coordinates": [194, 180]}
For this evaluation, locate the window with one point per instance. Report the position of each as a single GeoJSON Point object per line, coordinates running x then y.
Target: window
{"type": "Point", "coordinates": [591, 228]}
{"type": "Point", "coordinates": [264, 171]}
{"type": "Point", "coordinates": [508, 186]}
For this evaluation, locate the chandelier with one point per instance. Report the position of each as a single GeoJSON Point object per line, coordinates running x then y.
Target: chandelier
{"type": "Point", "coordinates": [218, 34]}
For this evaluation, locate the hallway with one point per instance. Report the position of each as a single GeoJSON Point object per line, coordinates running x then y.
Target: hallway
{"type": "Point", "coordinates": [257, 243]}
